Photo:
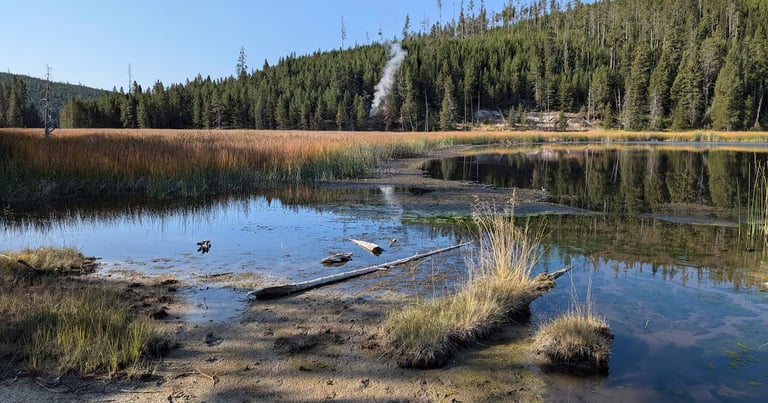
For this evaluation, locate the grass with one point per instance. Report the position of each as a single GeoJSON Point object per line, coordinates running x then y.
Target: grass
{"type": "Point", "coordinates": [578, 338]}
{"type": "Point", "coordinates": [53, 323]}
{"type": "Point", "coordinates": [757, 205]}
{"type": "Point", "coordinates": [426, 333]}
{"type": "Point", "coordinates": [163, 164]}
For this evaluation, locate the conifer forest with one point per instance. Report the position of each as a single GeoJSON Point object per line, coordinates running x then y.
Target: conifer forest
{"type": "Point", "coordinates": [621, 64]}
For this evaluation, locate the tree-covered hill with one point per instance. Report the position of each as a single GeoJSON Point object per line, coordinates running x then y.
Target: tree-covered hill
{"type": "Point", "coordinates": [637, 65]}
{"type": "Point", "coordinates": [30, 111]}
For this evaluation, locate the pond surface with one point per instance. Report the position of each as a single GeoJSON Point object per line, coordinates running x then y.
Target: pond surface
{"type": "Point", "coordinates": [666, 256]}
{"type": "Point", "coordinates": [687, 302]}
{"type": "Point", "coordinates": [630, 180]}
{"type": "Point", "coordinates": [256, 240]}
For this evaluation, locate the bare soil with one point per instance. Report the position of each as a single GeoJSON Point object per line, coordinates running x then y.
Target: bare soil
{"type": "Point", "coordinates": [320, 345]}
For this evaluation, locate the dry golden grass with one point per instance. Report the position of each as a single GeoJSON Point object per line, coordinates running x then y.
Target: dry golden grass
{"type": "Point", "coordinates": [180, 163]}
{"type": "Point", "coordinates": [425, 334]}
{"type": "Point", "coordinates": [579, 338]}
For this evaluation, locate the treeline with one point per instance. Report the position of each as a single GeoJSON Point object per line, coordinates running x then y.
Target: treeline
{"type": "Point", "coordinates": [658, 64]}
{"type": "Point", "coordinates": [15, 111]}
{"type": "Point", "coordinates": [33, 93]}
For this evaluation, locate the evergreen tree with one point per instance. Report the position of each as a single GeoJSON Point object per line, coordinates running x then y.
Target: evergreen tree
{"type": "Point", "coordinates": [686, 93]}
{"type": "Point", "coordinates": [728, 101]}
{"type": "Point", "coordinates": [128, 112]}
{"type": "Point", "coordinates": [448, 108]}
{"type": "Point", "coordinates": [636, 101]}
{"type": "Point", "coordinates": [361, 116]}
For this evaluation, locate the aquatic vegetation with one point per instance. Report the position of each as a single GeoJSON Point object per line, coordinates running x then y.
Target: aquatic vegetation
{"type": "Point", "coordinates": [757, 204]}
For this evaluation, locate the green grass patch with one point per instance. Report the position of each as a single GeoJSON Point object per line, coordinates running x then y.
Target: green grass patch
{"type": "Point", "coordinates": [53, 323]}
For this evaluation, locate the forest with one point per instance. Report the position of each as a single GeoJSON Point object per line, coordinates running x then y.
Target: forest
{"type": "Point", "coordinates": [623, 64]}
{"type": "Point", "coordinates": [22, 99]}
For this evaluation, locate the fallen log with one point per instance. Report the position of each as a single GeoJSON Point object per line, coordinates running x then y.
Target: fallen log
{"type": "Point", "coordinates": [543, 282]}
{"type": "Point", "coordinates": [288, 289]}
{"type": "Point", "coordinates": [372, 248]}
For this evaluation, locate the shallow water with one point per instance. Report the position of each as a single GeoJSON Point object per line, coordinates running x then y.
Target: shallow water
{"type": "Point", "coordinates": [685, 297]}
{"type": "Point", "coordinates": [681, 285]}
{"type": "Point", "coordinates": [255, 240]}
{"type": "Point", "coordinates": [682, 332]}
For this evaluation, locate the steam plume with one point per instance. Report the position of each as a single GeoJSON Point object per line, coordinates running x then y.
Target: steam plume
{"type": "Point", "coordinates": [396, 57]}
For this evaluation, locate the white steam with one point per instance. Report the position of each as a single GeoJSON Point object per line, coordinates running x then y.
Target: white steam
{"type": "Point", "coordinates": [396, 57]}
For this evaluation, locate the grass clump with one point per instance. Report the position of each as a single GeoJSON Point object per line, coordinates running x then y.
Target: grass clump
{"type": "Point", "coordinates": [579, 339]}
{"type": "Point", "coordinates": [67, 326]}
{"type": "Point", "coordinates": [425, 334]}
{"type": "Point", "coordinates": [43, 260]}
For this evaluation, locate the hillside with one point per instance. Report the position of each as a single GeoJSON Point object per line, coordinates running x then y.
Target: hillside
{"type": "Point", "coordinates": [60, 93]}
{"type": "Point", "coordinates": [653, 65]}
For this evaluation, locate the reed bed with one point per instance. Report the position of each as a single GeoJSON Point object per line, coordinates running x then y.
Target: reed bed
{"type": "Point", "coordinates": [426, 333]}
{"type": "Point", "coordinates": [757, 206]}
{"type": "Point", "coordinates": [90, 163]}
{"type": "Point", "coordinates": [53, 324]}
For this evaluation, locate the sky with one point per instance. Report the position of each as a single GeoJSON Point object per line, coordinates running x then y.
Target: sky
{"type": "Point", "coordinates": [93, 42]}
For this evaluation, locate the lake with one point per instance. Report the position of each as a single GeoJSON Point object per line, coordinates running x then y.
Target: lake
{"type": "Point", "coordinates": [662, 243]}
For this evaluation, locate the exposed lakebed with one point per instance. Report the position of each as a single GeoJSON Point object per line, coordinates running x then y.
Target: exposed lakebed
{"type": "Point", "coordinates": [662, 250]}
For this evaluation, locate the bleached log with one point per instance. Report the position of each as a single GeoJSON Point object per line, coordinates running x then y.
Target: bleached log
{"type": "Point", "coordinates": [284, 290]}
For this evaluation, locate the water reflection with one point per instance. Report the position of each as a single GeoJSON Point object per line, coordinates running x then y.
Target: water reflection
{"type": "Point", "coordinates": [262, 239]}
{"type": "Point", "coordinates": [627, 181]}
{"type": "Point", "coordinates": [686, 302]}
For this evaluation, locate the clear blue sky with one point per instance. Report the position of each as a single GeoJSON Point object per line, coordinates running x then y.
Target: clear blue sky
{"type": "Point", "coordinates": [92, 42]}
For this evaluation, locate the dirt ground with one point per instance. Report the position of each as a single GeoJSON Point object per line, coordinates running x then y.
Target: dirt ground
{"type": "Point", "coordinates": [319, 345]}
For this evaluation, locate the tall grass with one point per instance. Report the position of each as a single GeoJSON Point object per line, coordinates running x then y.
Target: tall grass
{"type": "Point", "coordinates": [57, 324]}
{"type": "Point", "coordinates": [173, 163]}
{"type": "Point", "coordinates": [425, 334]}
{"type": "Point", "coordinates": [757, 205]}
{"type": "Point", "coordinates": [577, 338]}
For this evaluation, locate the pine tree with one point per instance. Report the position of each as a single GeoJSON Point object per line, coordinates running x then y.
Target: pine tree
{"type": "Point", "coordinates": [636, 100]}
{"type": "Point", "coordinates": [728, 101]}
{"type": "Point", "coordinates": [241, 68]}
{"type": "Point", "coordinates": [128, 112]}
{"type": "Point", "coordinates": [361, 116]}
{"type": "Point", "coordinates": [448, 108]}
{"type": "Point", "coordinates": [16, 103]}
{"type": "Point", "coordinates": [686, 93]}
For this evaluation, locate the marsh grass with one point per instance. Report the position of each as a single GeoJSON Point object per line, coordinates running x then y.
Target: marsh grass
{"type": "Point", "coordinates": [163, 164]}
{"type": "Point", "coordinates": [54, 323]}
{"type": "Point", "coordinates": [168, 164]}
{"type": "Point", "coordinates": [45, 260]}
{"type": "Point", "coordinates": [578, 338]}
{"type": "Point", "coordinates": [757, 206]}
{"type": "Point", "coordinates": [499, 287]}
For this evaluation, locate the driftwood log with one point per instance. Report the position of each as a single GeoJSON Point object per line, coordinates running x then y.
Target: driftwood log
{"type": "Point", "coordinates": [372, 248]}
{"type": "Point", "coordinates": [288, 289]}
